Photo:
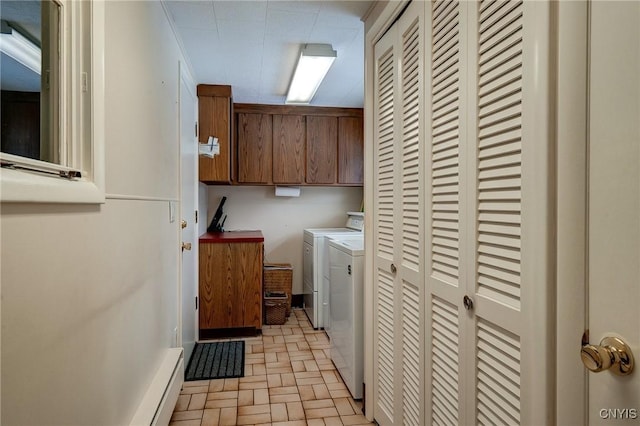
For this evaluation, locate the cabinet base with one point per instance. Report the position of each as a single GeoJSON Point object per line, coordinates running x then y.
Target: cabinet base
{"type": "Point", "coordinates": [216, 333]}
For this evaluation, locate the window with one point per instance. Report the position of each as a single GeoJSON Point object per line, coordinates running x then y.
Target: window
{"type": "Point", "coordinates": [64, 160]}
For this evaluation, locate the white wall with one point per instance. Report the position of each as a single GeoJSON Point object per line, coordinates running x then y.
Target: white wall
{"type": "Point", "coordinates": [282, 220]}
{"type": "Point", "coordinates": [89, 291]}
{"type": "Point", "coordinates": [203, 202]}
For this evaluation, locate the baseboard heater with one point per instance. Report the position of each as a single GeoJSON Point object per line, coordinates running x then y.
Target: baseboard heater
{"type": "Point", "coordinates": [161, 396]}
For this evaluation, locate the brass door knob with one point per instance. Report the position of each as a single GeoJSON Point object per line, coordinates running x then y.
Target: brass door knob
{"type": "Point", "coordinates": [183, 224]}
{"type": "Point", "coordinates": [611, 354]}
{"type": "Point", "coordinates": [186, 246]}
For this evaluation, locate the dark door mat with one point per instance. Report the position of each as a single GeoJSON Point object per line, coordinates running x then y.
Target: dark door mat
{"type": "Point", "coordinates": [217, 360]}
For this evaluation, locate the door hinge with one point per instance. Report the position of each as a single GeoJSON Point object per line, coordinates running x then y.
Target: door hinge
{"type": "Point", "coordinates": [196, 216]}
{"type": "Point", "coordinates": [196, 129]}
{"type": "Point", "coordinates": [196, 303]}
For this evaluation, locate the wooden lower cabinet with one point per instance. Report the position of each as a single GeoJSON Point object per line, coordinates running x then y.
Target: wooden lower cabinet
{"type": "Point", "coordinates": [230, 288]}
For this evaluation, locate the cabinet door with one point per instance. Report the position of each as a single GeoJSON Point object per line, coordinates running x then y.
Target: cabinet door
{"type": "Point", "coordinates": [254, 148]}
{"type": "Point", "coordinates": [247, 264]}
{"type": "Point", "coordinates": [322, 146]}
{"type": "Point", "coordinates": [214, 115]}
{"type": "Point", "coordinates": [350, 150]}
{"type": "Point", "coordinates": [215, 286]}
{"type": "Point", "coordinates": [230, 287]}
{"type": "Point", "coordinates": [289, 136]}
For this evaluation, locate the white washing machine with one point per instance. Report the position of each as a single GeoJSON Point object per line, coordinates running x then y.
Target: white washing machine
{"type": "Point", "coordinates": [316, 299]}
{"type": "Point", "coordinates": [346, 260]}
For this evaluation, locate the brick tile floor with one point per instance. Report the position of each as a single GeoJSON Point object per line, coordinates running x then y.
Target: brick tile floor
{"type": "Point", "coordinates": [289, 380]}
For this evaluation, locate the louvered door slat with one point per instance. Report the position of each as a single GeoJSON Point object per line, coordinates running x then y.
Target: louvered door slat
{"type": "Point", "coordinates": [385, 154]}
{"type": "Point", "coordinates": [498, 395]}
{"type": "Point", "coordinates": [411, 230]}
{"type": "Point", "coordinates": [440, 12]}
{"type": "Point", "coordinates": [500, 151]}
{"type": "Point", "coordinates": [385, 347]}
{"type": "Point", "coordinates": [411, 355]}
{"type": "Point", "coordinates": [501, 15]}
{"type": "Point", "coordinates": [507, 148]}
{"type": "Point", "coordinates": [445, 136]}
{"type": "Point", "coordinates": [444, 215]}
{"type": "Point", "coordinates": [410, 148]}
{"type": "Point", "coordinates": [445, 75]}
{"type": "Point", "coordinates": [444, 364]}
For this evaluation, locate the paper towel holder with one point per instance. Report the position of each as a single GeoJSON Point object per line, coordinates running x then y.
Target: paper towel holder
{"type": "Point", "coordinates": [287, 191]}
{"type": "Point", "coordinates": [209, 149]}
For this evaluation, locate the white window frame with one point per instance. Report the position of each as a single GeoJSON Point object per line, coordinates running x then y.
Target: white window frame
{"type": "Point", "coordinates": [81, 118]}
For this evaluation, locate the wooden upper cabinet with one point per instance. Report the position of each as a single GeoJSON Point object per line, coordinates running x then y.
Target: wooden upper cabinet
{"type": "Point", "coordinates": [289, 136]}
{"type": "Point", "coordinates": [214, 118]}
{"type": "Point", "coordinates": [350, 150]}
{"type": "Point", "coordinates": [298, 145]}
{"type": "Point", "coordinates": [322, 149]}
{"type": "Point", "coordinates": [255, 133]}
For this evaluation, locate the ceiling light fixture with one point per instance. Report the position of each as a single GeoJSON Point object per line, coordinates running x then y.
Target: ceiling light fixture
{"type": "Point", "coordinates": [313, 64]}
{"type": "Point", "coordinates": [20, 48]}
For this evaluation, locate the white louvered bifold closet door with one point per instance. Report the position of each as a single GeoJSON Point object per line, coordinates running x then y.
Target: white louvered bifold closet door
{"type": "Point", "coordinates": [398, 217]}
{"type": "Point", "coordinates": [446, 213]}
{"type": "Point", "coordinates": [412, 259]}
{"type": "Point", "coordinates": [497, 29]}
{"type": "Point", "coordinates": [484, 167]}
{"type": "Point", "coordinates": [386, 301]}
{"type": "Point", "coordinates": [462, 208]}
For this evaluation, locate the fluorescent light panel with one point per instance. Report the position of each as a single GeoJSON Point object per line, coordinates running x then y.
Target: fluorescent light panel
{"type": "Point", "coordinates": [313, 64]}
{"type": "Point", "coordinates": [21, 49]}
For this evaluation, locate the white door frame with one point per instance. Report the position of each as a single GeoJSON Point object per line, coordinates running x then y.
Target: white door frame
{"type": "Point", "coordinates": [186, 78]}
{"type": "Point", "coordinates": [571, 135]}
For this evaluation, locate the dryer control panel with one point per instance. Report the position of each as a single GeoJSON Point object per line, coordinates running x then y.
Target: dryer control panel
{"type": "Point", "coordinates": [355, 220]}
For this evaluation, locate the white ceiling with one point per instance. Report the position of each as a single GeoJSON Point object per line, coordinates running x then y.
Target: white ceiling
{"type": "Point", "coordinates": [253, 46]}
{"type": "Point", "coordinates": [24, 15]}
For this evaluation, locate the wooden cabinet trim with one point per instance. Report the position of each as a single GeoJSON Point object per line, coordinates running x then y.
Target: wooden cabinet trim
{"type": "Point", "coordinates": [297, 110]}
{"type": "Point", "coordinates": [214, 90]}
